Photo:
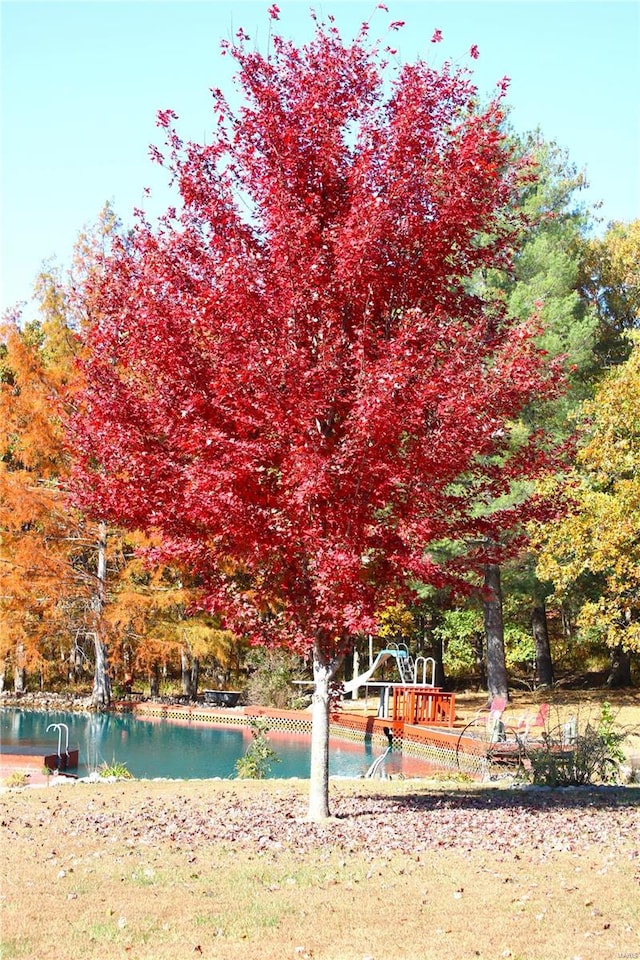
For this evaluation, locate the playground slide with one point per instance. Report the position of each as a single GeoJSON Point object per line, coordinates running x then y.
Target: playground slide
{"type": "Point", "coordinates": [359, 681]}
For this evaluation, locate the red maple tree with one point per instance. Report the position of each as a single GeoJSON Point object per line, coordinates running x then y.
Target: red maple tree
{"type": "Point", "coordinates": [296, 377]}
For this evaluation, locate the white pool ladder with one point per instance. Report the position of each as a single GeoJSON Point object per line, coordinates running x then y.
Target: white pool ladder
{"type": "Point", "coordinates": [60, 727]}
{"type": "Point", "coordinates": [422, 662]}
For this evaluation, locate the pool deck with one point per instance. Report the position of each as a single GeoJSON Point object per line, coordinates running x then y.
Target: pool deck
{"type": "Point", "coordinates": [30, 765]}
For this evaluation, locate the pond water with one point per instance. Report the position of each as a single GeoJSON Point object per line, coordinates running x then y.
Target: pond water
{"type": "Point", "coordinates": [185, 750]}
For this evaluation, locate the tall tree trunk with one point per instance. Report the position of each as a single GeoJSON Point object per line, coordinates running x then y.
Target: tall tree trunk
{"type": "Point", "coordinates": [497, 681]}
{"type": "Point", "coordinates": [620, 673]}
{"type": "Point", "coordinates": [185, 667]}
{"type": "Point", "coordinates": [19, 669]}
{"type": "Point", "coordinates": [438, 655]}
{"type": "Point", "coordinates": [323, 673]}
{"type": "Point", "coordinates": [195, 676]}
{"type": "Point", "coordinates": [127, 671]}
{"type": "Point", "coordinates": [101, 695]}
{"type": "Point", "coordinates": [544, 663]}
{"type": "Point", "coordinates": [567, 622]}
{"type": "Point", "coordinates": [154, 681]}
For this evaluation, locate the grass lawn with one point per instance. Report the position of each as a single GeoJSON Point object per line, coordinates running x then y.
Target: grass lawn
{"type": "Point", "coordinates": [405, 870]}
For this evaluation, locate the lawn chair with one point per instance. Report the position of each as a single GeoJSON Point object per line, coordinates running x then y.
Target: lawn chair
{"type": "Point", "coordinates": [531, 721]}
{"type": "Point", "coordinates": [487, 725]}
{"type": "Point", "coordinates": [489, 721]}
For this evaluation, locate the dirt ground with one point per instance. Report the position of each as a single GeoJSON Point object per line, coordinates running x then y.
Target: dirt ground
{"type": "Point", "coordinates": [405, 870]}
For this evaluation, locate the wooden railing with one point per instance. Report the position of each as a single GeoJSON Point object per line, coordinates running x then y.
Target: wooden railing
{"type": "Point", "coordinates": [423, 705]}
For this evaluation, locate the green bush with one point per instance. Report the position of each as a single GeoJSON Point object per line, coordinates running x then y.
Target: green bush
{"type": "Point", "coordinates": [116, 769]}
{"type": "Point", "coordinates": [256, 763]}
{"type": "Point", "coordinates": [577, 755]}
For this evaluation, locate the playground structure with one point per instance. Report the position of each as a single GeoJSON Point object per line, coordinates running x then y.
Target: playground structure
{"type": "Point", "coordinates": [408, 667]}
{"type": "Point", "coordinates": [413, 700]}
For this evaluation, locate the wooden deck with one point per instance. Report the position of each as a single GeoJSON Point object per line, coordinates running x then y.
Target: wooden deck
{"type": "Point", "coordinates": [423, 706]}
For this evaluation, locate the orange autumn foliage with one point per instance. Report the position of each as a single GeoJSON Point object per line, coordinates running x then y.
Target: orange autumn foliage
{"type": "Point", "coordinates": [40, 578]}
{"type": "Point", "coordinates": [48, 548]}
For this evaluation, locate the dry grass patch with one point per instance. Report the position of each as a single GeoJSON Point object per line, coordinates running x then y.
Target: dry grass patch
{"type": "Point", "coordinates": [405, 871]}
{"type": "Point", "coordinates": [625, 703]}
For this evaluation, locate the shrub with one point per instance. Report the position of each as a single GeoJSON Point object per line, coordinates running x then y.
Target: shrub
{"type": "Point", "coordinates": [116, 769]}
{"type": "Point", "coordinates": [17, 779]}
{"type": "Point", "coordinates": [576, 755]}
{"type": "Point", "coordinates": [256, 763]}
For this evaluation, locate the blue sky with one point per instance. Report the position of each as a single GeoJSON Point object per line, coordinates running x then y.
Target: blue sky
{"type": "Point", "coordinates": [82, 82]}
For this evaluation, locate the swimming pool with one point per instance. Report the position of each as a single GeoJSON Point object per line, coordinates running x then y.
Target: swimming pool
{"type": "Point", "coordinates": [185, 751]}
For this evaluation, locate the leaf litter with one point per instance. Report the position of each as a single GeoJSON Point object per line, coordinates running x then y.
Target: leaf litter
{"type": "Point", "coordinates": [500, 822]}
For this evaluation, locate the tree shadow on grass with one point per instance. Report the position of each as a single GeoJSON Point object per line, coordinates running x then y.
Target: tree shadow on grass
{"type": "Point", "coordinates": [524, 799]}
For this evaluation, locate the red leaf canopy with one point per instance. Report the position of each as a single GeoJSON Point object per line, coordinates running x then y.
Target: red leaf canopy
{"type": "Point", "coordinates": [288, 378]}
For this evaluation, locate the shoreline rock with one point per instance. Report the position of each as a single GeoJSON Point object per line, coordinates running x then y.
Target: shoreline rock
{"type": "Point", "coordinates": [46, 701]}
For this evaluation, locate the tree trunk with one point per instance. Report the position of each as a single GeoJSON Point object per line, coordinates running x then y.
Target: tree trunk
{"type": "Point", "coordinates": [567, 622]}
{"type": "Point", "coordinates": [19, 670]}
{"type": "Point", "coordinates": [544, 663]}
{"type": "Point", "coordinates": [436, 644]}
{"type": "Point", "coordinates": [127, 669]}
{"type": "Point", "coordinates": [185, 670]}
{"type": "Point", "coordinates": [186, 665]}
{"type": "Point", "coordinates": [620, 673]}
{"type": "Point", "coordinates": [154, 681]}
{"type": "Point", "coordinates": [195, 676]}
{"type": "Point", "coordinates": [74, 662]}
{"type": "Point", "coordinates": [323, 673]}
{"type": "Point", "coordinates": [497, 681]}
{"type": "Point", "coordinates": [101, 695]}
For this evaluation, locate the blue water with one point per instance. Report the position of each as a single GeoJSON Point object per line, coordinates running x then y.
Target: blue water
{"type": "Point", "coordinates": [180, 750]}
